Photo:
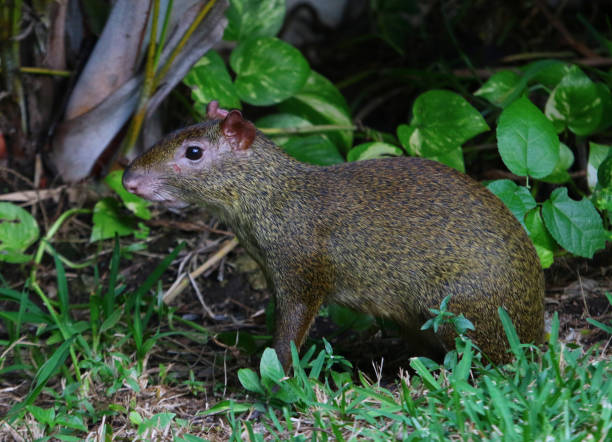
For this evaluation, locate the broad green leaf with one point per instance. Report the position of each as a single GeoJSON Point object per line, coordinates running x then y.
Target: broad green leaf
{"type": "Point", "coordinates": [575, 225]}
{"type": "Point", "coordinates": [576, 103]}
{"type": "Point", "coordinates": [516, 198]}
{"type": "Point", "coordinates": [604, 173]}
{"type": "Point", "coordinates": [71, 421]}
{"type": "Point", "coordinates": [250, 380]}
{"type": "Point", "coordinates": [373, 149]}
{"type": "Point", "coordinates": [313, 149]}
{"type": "Point", "coordinates": [108, 220]}
{"type": "Point", "coordinates": [441, 122]}
{"type": "Point", "coordinates": [501, 84]}
{"type": "Point", "coordinates": [452, 158]}
{"type": "Point", "coordinates": [270, 367]}
{"type": "Point", "coordinates": [597, 153]}
{"type": "Point", "coordinates": [137, 205]}
{"type": "Point", "coordinates": [548, 74]}
{"type": "Point", "coordinates": [542, 241]}
{"type": "Point", "coordinates": [254, 18]}
{"type": "Point", "coordinates": [268, 70]}
{"type": "Point", "coordinates": [560, 173]}
{"type": "Point", "coordinates": [320, 102]}
{"type": "Point", "coordinates": [603, 91]}
{"type": "Point", "coordinates": [18, 230]}
{"type": "Point", "coordinates": [135, 418]}
{"type": "Point", "coordinates": [527, 141]}
{"type": "Point", "coordinates": [210, 80]}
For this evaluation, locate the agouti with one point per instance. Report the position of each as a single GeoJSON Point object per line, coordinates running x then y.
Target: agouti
{"type": "Point", "coordinates": [390, 237]}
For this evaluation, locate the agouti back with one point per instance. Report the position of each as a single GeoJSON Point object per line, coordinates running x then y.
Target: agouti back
{"type": "Point", "coordinates": [390, 237]}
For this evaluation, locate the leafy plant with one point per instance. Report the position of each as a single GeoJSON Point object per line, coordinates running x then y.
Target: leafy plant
{"type": "Point", "coordinates": [550, 394]}
{"type": "Point", "coordinates": [314, 125]}
{"type": "Point", "coordinates": [18, 230]}
{"type": "Point", "coordinates": [67, 337]}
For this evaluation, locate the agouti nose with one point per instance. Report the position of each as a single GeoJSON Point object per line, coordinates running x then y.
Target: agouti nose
{"type": "Point", "coordinates": [130, 181]}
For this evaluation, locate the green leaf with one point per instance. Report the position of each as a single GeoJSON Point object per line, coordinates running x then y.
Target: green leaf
{"type": "Point", "coordinates": [111, 321]}
{"type": "Point", "coordinates": [137, 205]}
{"type": "Point", "coordinates": [597, 154]}
{"type": "Point", "coordinates": [313, 149]}
{"type": "Point", "coordinates": [575, 225]}
{"type": "Point", "coordinates": [501, 85]}
{"type": "Point", "coordinates": [373, 149]}
{"type": "Point", "coordinates": [210, 80]}
{"type": "Point", "coordinates": [542, 241]}
{"type": "Point", "coordinates": [603, 91]}
{"type": "Point", "coordinates": [135, 418]}
{"type": "Point", "coordinates": [527, 140]}
{"type": "Point", "coordinates": [18, 230]}
{"type": "Point", "coordinates": [49, 368]}
{"type": "Point", "coordinates": [268, 70]}
{"type": "Point", "coordinates": [560, 173]}
{"type": "Point", "coordinates": [516, 198]}
{"type": "Point", "coordinates": [452, 158]}
{"type": "Point", "coordinates": [45, 416]}
{"type": "Point", "coordinates": [108, 221]}
{"type": "Point", "coordinates": [576, 103]}
{"type": "Point", "coordinates": [254, 18]}
{"type": "Point", "coordinates": [547, 72]}
{"type": "Point", "coordinates": [441, 122]}
{"type": "Point", "coordinates": [270, 367]}
{"type": "Point", "coordinates": [249, 380]}
{"type": "Point", "coordinates": [604, 173]}
{"type": "Point", "coordinates": [418, 366]}
{"type": "Point", "coordinates": [71, 421]}
{"type": "Point", "coordinates": [320, 102]}
{"type": "Point", "coordinates": [228, 405]}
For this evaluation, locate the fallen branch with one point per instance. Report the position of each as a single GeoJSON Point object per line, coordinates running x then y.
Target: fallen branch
{"type": "Point", "coordinates": [183, 281]}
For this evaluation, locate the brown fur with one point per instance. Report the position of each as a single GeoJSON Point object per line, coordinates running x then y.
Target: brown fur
{"type": "Point", "coordinates": [391, 237]}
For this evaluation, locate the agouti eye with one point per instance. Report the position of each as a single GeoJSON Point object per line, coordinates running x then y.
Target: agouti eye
{"type": "Point", "coordinates": [193, 153]}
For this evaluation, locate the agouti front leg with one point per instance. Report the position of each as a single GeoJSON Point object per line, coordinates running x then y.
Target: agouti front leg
{"type": "Point", "coordinates": [293, 320]}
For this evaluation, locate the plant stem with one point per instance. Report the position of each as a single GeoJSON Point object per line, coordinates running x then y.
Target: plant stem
{"type": "Point", "coordinates": [307, 130]}
{"type": "Point", "coordinates": [181, 44]}
{"type": "Point", "coordinates": [148, 85]}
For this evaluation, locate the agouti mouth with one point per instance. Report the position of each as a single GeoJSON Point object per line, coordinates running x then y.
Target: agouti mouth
{"type": "Point", "coordinates": [173, 204]}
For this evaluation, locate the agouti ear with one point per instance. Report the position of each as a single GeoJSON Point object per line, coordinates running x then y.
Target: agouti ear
{"type": "Point", "coordinates": [239, 132]}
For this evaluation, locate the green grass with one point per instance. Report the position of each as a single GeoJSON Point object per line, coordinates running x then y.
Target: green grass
{"type": "Point", "coordinates": [90, 373]}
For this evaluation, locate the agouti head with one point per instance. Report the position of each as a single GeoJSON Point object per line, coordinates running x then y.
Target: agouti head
{"type": "Point", "coordinates": [177, 169]}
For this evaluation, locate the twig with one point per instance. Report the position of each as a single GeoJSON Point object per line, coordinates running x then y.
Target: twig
{"type": "Point", "coordinates": [556, 23]}
{"type": "Point", "coordinates": [181, 283]}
